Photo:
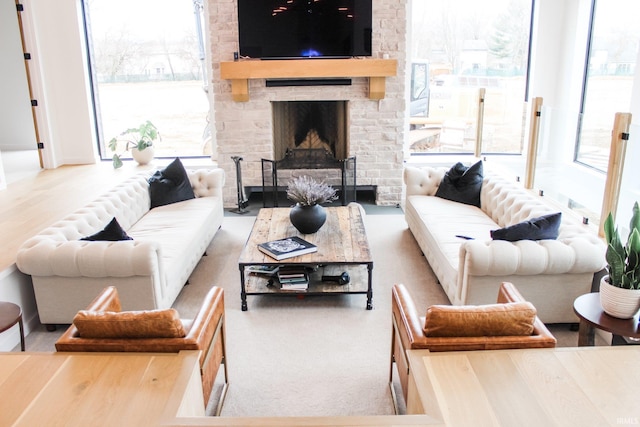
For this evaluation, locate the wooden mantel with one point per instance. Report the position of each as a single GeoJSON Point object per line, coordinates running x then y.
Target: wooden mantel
{"type": "Point", "coordinates": [239, 72]}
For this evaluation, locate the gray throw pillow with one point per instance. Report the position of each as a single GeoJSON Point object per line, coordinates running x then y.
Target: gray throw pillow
{"type": "Point", "coordinates": [542, 228]}
{"type": "Point", "coordinates": [462, 184]}
{"type": "Point", "coordinates": [170, 185]}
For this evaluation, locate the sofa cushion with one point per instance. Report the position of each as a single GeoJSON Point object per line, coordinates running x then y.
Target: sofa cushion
{"type": "Point", "coordinates": [510, 319]}
{"type": "Point", "coordinates": [112, 232]}
{"type": "Point", "coordinates": [541, 228]}
{"type": "Point", "coordinates": [462, 184]}
{"type": "Point", "coordinates": [170, 185]}
{"type": "Point", "coordinates": [129, 324]}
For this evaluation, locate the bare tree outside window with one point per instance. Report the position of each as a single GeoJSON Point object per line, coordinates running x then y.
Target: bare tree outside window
{"type": "Point", "coordinates": [609, 81]}
{"type": "Point", "coordinates": [147, 64]}
{"type": "Point", "coordinates": [470, 45]}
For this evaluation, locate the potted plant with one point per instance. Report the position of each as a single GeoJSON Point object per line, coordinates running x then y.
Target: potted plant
{"type": "Point", "coordinates": [620, 290]}
{"type": "Point", "coordinates": [308, 215]}
{"type": "Point", "coordinates": [140, 140]}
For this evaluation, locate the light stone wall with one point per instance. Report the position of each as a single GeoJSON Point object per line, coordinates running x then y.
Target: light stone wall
{"type": "Point", "coordinates": [376, 128]}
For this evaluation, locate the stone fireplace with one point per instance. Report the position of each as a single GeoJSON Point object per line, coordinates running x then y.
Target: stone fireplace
{"type": "Point", "coordinates": [342, 117]}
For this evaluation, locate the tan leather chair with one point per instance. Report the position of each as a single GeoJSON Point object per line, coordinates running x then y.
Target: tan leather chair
{"type": "Point", "coordinates": [205, 332]}
{"type": "Point", "coordinates": [408, 331]}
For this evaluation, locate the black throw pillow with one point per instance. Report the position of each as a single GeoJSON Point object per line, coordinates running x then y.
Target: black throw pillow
{"type": "Point", "coordinates": [541, 228]}
{"type": "Point", "coordinates": [170, 185]}
{"type": "Point", "coordinates": [111, 233]}
{"type": "Point", "coordinates": [462, 184]}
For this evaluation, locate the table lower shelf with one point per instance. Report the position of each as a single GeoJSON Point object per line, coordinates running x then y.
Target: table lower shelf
{"type": "Point", "coordinates": [360, 282]}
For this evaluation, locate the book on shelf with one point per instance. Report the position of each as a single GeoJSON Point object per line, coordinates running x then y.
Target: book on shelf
{"type": "Point", "coordinates": [303, 287]}
{"type": "Point", "coordinates": [297, 285]}
{"type": "Point", "coordinates": [287, 248]}
{"type": "Point", "coordinates": [293, 278]}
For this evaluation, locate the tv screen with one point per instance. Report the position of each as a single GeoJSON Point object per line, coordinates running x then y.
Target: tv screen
{"type": "Point", "coordinates": [304, 28]}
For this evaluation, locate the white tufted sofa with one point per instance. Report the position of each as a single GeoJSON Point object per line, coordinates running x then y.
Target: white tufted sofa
{"type": "Point", "coordinates": [549, 273]}
{"type": "Point", "coordinates": [148, 271]}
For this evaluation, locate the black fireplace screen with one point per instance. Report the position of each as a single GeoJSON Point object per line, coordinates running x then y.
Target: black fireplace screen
{"type": "Point", "coordinates": [312, 158]}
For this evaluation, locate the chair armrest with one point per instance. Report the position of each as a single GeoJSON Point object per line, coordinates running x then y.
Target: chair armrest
{"type": "Point", "coordinates": [108, 300]}
{"type": "Point", "coordinates": [208, 331]}
{"type": "Point", "coordinates": [406, 317]}
{"type": "Point", "coordinates": [508, 293]}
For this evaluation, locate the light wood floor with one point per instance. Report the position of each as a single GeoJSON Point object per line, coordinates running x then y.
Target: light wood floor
{"type": "Point", "coordinates": [30, 204]}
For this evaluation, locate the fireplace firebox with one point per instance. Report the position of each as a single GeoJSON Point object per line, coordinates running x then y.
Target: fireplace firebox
{"type": "Point", "coordinates": [311, 136]}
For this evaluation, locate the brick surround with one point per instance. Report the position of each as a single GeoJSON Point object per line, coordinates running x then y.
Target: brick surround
{"type": "Point", "coordinates": [376, 128]}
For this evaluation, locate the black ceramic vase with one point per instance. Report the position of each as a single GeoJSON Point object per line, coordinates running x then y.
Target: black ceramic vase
{"type": "Point", "coordinates": [307, 219]}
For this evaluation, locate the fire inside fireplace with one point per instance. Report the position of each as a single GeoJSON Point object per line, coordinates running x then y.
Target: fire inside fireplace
{"type": "Point", "coordinates": [310, 125]}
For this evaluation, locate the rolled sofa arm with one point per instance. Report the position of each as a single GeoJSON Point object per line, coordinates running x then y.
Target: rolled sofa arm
{"type": "Point", "coordinates": [207, 182]}
{"type": "Point", "coordinates": [583, 254]}
{"type": "Point", "coordinates": [422, 181]}
{"type": "Point", "coordinates": [42, 256]}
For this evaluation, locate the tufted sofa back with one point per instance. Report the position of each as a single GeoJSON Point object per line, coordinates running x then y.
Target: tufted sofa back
{"type": "Point", "coordinates": [508, 204]}
{"type": "Point", "coordinates": [127, 202]}
{"type": "Point", "coordinates": [505, 202]}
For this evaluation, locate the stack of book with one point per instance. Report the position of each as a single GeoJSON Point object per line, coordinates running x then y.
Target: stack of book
{"type": "Point", "coordinates": [293, 278]}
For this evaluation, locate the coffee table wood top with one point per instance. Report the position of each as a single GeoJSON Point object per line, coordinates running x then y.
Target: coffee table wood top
{"type": "Point", "coordinates": [342, 239]}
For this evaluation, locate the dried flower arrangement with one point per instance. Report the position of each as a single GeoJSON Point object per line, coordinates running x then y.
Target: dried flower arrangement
{"type": "Point", "coordinates": [306, 191]}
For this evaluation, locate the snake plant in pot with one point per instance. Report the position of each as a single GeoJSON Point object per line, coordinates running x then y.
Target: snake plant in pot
{"type": "Point", "coordinates": [620, 290]}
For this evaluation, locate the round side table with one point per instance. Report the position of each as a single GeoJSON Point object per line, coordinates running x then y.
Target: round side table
{"type": "Point", "coordinates": [10, 314]}
{"type": "Point", "coordinates": [587, 307]}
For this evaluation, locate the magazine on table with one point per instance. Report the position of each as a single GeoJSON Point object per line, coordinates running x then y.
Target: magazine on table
{"type": "Point", "coordinates": [287, 248]}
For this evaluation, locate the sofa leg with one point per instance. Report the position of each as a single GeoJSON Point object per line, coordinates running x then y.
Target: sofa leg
{"type": "Point", "coordinates": [50, 327]}
{"type": "Point", "coordinates": [574, 327]}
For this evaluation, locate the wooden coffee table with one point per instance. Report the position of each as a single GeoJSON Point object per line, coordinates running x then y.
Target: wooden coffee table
{"type": "Point", "coordinates": [587, 307]}
{"type": "Point", "coordinates": [342, 246]}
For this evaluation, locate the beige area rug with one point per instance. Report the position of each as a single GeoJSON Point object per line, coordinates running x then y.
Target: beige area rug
{"type": "Point", "coordinates": [320, 355]}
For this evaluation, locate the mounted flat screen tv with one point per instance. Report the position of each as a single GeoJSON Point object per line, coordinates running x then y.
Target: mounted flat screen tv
{"type": "Point", "coordinates": [278, 29]}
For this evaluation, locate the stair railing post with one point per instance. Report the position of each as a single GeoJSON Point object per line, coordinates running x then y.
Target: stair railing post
{"type": "Point", "coordinates": [617, 152]}
{"type": "Point", "coordinates": [532, 149]}
{"type": "Point", "coordinates": [480, 122]}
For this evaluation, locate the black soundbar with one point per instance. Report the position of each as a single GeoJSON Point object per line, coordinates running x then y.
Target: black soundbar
{"type": "Point", "coordinates": [307, 82]}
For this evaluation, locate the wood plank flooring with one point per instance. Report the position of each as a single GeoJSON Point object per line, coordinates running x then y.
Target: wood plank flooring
{"type": "Point", "coordinates": [29, 205]}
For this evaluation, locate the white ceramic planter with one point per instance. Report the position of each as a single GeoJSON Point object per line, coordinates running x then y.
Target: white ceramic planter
{"type": "Point", "coordinates": [619, 302]}
{"type": "Point", "coordinates": [142, 157]}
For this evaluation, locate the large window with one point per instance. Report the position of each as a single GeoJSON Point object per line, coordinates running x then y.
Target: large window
{"type": "Point", "coordinates": [612, 55]}
{"type": "Point", "coordinates": [147, 61]}
{"type": "Point", "coordinates": [468, 45]}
